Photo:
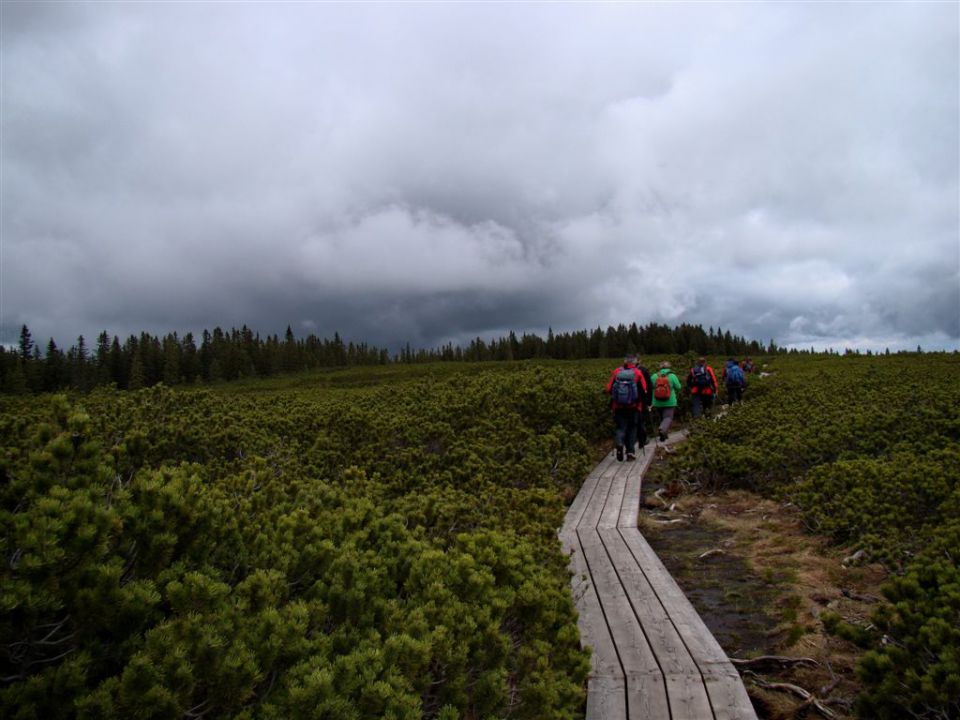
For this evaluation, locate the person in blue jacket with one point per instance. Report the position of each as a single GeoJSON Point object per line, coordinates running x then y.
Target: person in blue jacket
{"type": "Point", "coordinates": [735, 380]}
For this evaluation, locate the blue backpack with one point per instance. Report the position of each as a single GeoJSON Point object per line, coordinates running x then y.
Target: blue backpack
{"type": "Point", "coordinates": [624, 390]}
{"type": "Point", "coordinates": [734, 375]}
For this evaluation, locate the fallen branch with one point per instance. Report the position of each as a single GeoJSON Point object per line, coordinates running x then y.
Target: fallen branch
{"type": "Point", "coordinates": [855, 559]}
{"type": "Point", "coordinates": [847, 593]}
{"type": "Point", "coordinates": [781, 660]}
{"type": "Point", "coordinates": [708, 553]}
{"type": "Point", "coordinates": [809, 699]}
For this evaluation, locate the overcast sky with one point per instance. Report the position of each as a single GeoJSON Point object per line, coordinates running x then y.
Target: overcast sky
{"type": "Point", "coordinates": [437, 171]}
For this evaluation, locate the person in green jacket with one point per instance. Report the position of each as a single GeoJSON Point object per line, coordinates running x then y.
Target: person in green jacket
{"type": "Point", "coordinates": [666, 390]}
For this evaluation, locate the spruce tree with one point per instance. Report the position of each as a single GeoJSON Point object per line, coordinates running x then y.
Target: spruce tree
{"type": "Point", "coordinates": [26, 344]}
{"type": "Point", "coordinates": [171, 360]}
{"type": "Point", "coordinates": [137, 380]}
{"type": "Point", "coordinates": [53, 368]}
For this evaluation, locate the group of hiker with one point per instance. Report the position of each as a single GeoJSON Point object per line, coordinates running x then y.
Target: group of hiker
{"type": "Point", "coordinates": [635, 394]}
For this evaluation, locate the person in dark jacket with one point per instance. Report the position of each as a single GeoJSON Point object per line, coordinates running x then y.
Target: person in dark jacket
{"type": "Point", "coordinates": [627, 389]}
{"type": "Point", "coordinates": [702, 384]}
{"type": "Point", "coordinates": [645, 419]}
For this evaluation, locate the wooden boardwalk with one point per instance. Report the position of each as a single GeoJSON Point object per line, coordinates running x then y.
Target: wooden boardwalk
{"type": "Point", "coordinates": [653, 657]}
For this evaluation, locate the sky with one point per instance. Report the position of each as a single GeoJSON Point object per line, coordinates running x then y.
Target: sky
{"type": "Point", "coordinates": [434, 172]}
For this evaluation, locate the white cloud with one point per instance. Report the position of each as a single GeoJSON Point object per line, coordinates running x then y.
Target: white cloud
{"type": "Point", "coordinates": [430, 171]}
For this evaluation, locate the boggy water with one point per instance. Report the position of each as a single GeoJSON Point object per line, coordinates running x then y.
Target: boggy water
{"type": "Point", "coordinates": [727, 594]}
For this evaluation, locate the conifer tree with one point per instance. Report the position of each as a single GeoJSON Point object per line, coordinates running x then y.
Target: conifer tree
{"type": "Point", "coordinates": [171, 360]}
{"type": "Point", "coordinates": [118, 365]}
{"type": "Point", "coordinates": [15, 381]}
{"type": "Point", "coordinates": [80, 365]}
{"type": "Point", "coordinates": [103, 359]}
{"type": "Point", "coordinates": [289, 362]}
{"type": "Point", "coordinates": [26, 344]}
{"type": "Point", "coordinates": [53, 368]}
{"type": "Point", "coordinates": [190, 361]}
{"type": "Point", "coordinates": [137, 380]}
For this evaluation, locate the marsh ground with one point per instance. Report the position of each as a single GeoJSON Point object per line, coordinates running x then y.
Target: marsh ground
{"type": "Point", "coordinates": [761, 582]}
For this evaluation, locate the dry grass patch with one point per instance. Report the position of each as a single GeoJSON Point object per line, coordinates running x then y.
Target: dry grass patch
{"type": "Point", "coordinates": [793, 578]}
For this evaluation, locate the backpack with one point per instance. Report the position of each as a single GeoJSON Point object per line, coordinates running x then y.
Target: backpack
{"type": "Point", "coordinates": [661, 388]}
{"type": "Point", "coordinates": [624, 390]}
{"type": "Point", "coordinates": [734, 375]}
{"type": "Point", "coordinates": [701, 378]}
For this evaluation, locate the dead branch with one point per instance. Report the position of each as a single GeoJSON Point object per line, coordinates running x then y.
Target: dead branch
{"type": "Point", "coordinates": [847, 593]}
{"type": "Point", "coordinates": [809, 699]}
{"type": "Point", "coordinates": [858, 557]}
{"type": "Point", "coordinates": [198, 711]}
{"type": "Point", "coordinates": [709, 553]}
{"type": "Point", "coordinates": [766, 660]}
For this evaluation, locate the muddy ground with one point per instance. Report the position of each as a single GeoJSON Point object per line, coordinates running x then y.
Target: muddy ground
{"type": "Point", "coordinates": [760, 582]}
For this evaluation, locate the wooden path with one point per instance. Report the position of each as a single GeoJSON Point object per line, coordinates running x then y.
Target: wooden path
{"type": "Point", "coordinates": [653, 657]}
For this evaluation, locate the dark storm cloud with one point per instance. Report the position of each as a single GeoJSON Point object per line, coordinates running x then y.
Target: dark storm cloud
{"type": "Point", "coordinates": [435, 172]}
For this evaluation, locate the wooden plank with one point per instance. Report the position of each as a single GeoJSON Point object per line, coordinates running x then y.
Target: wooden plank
{"type": "Point", "coordinates": [606, 698]}
{"type": "Point", "coordinates": [594, 632]}
{"type": "Point", "coordinates": [630, 509]}
{"type": "Point", "coordinates": [729, 697]}
{"type": "Point", "coordinates": [703, 647]}
{"type": "Point", "coordinates": [568, 532]}
{"type": "Point", "coordinates": [685, 688]}
{"type": "Point", "coordinates": [666, 643]}
{"type": "Point", "coordinates": [688, 697]}
{"type": "Point", "coordinates": [645, 697]}
{"type": "Point", "coordinates": [581, 501]}
{"type": "Point", "coordinates": [615, 498]}
{"type": "Point", "coordinates": [652, 655]}
{"type": "Point", "coordinates": [636, 657]}
{"type": "Point", "coordinates": [576, 508]}
{"type": "Point", "coordinates": [591, 514]}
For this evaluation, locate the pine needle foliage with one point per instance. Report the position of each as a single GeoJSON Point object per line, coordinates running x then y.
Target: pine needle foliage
{"type": "Point", "coordinates": [384, 549]}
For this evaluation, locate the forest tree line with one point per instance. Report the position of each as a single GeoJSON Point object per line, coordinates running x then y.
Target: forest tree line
{"type": "Point", "coordinates": [220, 355]}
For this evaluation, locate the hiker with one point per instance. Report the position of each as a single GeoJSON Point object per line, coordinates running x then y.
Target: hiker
{"type": "Point", "coordinates": [735, 381]}
{"type": "Point", "coordinates": [627, 389]}
{"type": "Point", "coordinates": [666, 390]}
{"type": "Point", "coordinates": [645, 419]}
{"type": "Point", "coordinates": [747, 366]}
{"type": "Point", "coordinates": [702, 384]}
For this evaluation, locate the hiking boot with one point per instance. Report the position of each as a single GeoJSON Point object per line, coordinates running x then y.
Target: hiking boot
{"type": "Point", "coordinates": [620, 453]}
{"type": "Point", "coordinates": [631, 457]}
{"type": "Point", "coordinates": [663, 437]}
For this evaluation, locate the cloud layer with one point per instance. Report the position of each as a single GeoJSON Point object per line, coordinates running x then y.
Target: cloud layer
{"type": "Point", "coordinates": [434, 172]}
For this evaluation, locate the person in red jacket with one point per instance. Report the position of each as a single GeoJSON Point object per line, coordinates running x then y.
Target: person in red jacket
{"type": "Point", "coordinates": [627, 388]}
{"type": "Point", "coordinates": [702, 384]}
